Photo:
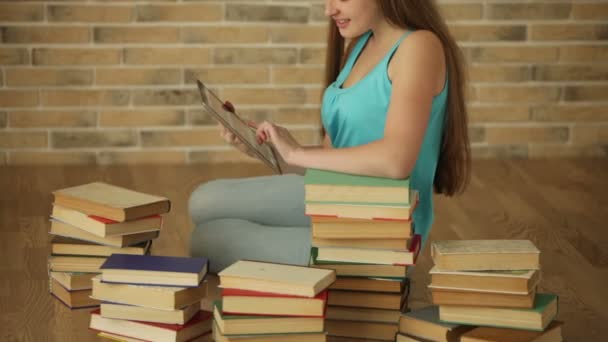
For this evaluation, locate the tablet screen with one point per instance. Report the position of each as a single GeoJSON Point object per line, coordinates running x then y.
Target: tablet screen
{"type": "Point", "coordinates": [215, 107]}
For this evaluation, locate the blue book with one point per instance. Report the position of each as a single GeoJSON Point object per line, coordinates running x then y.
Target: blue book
{"type": "Point", "coordinates": [154, 270]}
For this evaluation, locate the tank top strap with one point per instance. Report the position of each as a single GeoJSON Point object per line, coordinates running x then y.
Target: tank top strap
{"type": "Point", "coordinates": [391, 52]}
{"type": "Point", "coordinates": [352, 57]}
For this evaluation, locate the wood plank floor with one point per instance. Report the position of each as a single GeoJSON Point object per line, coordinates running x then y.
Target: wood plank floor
{"type": "Point", "coordinates": [562, 206]}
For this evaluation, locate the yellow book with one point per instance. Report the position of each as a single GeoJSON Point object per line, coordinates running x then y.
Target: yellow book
{"type": "Point", "coordinates": [63, 229]}
{"type": "Point", "coordinates": [345, 313]}
{"type": "Point", "coordinates": [553, 333]}
{"type": "Point", "coordinates": [159, 297]}
{"type": "Point", "coordinates": [471, 298]}
{"type": "Point", "coordinates": [477, 255]}
{"type": "Point", "coordinates": [140, 313]}
{"type": "Point", "coordinates": [258, 324]}
{"type": "Point", "coordinates": [538, 318]}
{"type": "Point", "coordinates": [345, 228]}
{"type": "Point", "coordinates": [305, 337]}
{"type": "Point", "coordinates": [371, 330]}
{"type": "Point", "coordinates": [67, 246]}
{"type": "Point", "coordinates": [509, 282]}
{"type": "Point", "coordinates": [110, 201]}
{"type": "Point", "coordinates": [276, 278]}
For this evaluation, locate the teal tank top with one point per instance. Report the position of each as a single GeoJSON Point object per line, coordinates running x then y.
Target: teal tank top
{"type": "Point", "coordinates": [356, 116]}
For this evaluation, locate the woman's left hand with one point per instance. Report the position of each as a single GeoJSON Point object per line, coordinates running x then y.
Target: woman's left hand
{"type": "Point", "coordinates": [280, 137]}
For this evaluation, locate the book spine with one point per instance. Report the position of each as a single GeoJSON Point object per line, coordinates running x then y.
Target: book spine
{"type": "Point", "coordinates": [230, 313]}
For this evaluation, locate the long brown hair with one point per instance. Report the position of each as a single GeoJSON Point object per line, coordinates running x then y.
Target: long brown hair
{"type": "Point", "coordinates": [454, 165]}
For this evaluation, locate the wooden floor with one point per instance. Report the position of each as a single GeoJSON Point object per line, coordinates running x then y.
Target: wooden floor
{"type": "Point", "coordinates": [562, 206]}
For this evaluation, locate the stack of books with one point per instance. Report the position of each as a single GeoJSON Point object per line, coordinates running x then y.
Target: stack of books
{"type": "Point", "coordinates": [151, 298]}
{"type": "Point", "coordinates": [362, 228]}
{"type": "Point", "coordinates": [491, 287]}
{"type": "Point", "coordinates": [89, 222]}
{"type": "Point", "coordinates": [271, 302]}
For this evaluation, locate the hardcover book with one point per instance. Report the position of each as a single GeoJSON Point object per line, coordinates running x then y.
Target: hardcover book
{"type": "Point", "coordinates": [330, 186]}
{"type": "Point", "coordinates": [425, 324]}
{"type": "Point", "coordinates": [276, 278]}
{"type": "Point", "coordinates": [110, 201]}
{"type": "Point", "coordinates": [104, 227]}
{"type": "Point", "coordinates": [371, 256]}
{"type": "Point", "coordinates": [236, 301]}
{"type": "Point", "coordinates": [158, 297]}
{"type": "Point", "coordinates": [148, 331]}
{"type": "Point", "coordinates": [538, 318]}
{"type": "Point", "coordinates": [154, 270]}
{"type": "Point", "coordinates": [258, 324]}
{"type": "Point", "coordinates": [479, 255]}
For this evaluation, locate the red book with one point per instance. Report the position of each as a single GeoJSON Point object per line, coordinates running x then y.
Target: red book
{"type": "Point", "coordinates": [110, 221]}
{"type": "Point", "coordinates": [199, 325]}
{"type": "Point", "coordinates": [415, 246]}
{"type": "Point", "coordinates": [246, 302]}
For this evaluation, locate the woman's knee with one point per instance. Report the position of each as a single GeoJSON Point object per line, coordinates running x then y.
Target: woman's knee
{"type": "Point", "coordinates": [203, 199]}
{"type": "Point", "coordinates": [198, 241]}
{"type": "Point", "coordinates": [211, 240]}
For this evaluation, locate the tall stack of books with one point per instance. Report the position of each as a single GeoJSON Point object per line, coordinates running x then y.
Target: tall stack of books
{"type": "Point", "coordinates": [151, 298]}
{"type": "Point", "coordinates": [490, 285]}
{"type": "Point", "coordinates": [89, 222]}
{"type": "Point", "coordinates": [362, 228]}
{"type": "Point", "coordinates": [271, 302]}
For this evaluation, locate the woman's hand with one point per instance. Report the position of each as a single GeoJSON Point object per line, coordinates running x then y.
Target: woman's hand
{"type": "Point", "coordinates": [232, 139]}
{"type": "Point", "coordinates": [280, 137]}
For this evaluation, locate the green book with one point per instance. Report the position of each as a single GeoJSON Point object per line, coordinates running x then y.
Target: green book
{"type": "Point", "coordinates": [429, 314]}
{"type": "Point", "coordinates": [411, 323]}
{"type": "Point", "coordinates": [337, 187]}
{"type": "Point", "coordinates": [537, 318]}
{"type": "Point", "coordinates": [316, 176]}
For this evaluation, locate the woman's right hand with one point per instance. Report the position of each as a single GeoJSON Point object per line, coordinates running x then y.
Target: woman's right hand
{"type": "Point", "coordinates": [231, 138]}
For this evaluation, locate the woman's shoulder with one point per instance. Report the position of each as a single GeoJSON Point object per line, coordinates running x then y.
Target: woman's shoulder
{"type": "Point", "coordinates": [421, 42]}
{"type": "Point", "coordinates": [419, 49]}
{"type": "Point", "coordinates": [420, 57]}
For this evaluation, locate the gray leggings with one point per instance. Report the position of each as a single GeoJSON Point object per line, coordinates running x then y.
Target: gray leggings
{"type": "Point", "coordinates": [259, 218]}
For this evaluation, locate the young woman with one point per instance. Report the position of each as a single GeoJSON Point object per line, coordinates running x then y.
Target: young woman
{"type": "Point", "coordinates": [393, 107]}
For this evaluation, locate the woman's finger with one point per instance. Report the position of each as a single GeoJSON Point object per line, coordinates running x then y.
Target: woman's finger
{"type": "Point", "coordinates": [230, 136]}
{"type": "Point", "coordinates": [261, 134]}
{"type": "Point", "coordinates": [228, 106]}
{"type": "Point", "coordinates": [270, 130]}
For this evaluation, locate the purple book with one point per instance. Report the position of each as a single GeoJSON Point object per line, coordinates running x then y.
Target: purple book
{"type": "Point", "coordinates": [154, 270]}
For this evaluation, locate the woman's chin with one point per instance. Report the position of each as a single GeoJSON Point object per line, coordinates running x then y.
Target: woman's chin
{"type": "Point", "coordinates": [349, 33]}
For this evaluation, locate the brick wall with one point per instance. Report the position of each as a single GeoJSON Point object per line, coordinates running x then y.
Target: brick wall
{"type": "Point", "coordinates": [112, 81]}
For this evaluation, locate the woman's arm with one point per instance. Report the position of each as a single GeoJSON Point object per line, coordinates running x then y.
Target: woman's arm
{"type": "Point", "coordinates": [233, 140]}
{"type": "Point", "coordinates": [417, 71]}
{"type": "Point", "coordinates": [291, 168]}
